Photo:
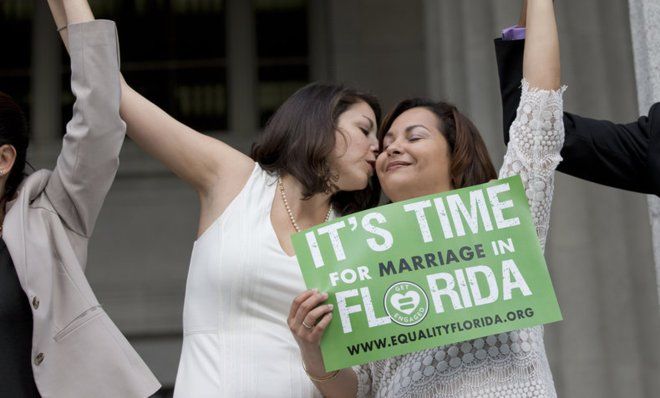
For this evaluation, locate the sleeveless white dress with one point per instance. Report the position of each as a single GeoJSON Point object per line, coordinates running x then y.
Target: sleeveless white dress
{"type": "Point", "coordinates": [239, 291]}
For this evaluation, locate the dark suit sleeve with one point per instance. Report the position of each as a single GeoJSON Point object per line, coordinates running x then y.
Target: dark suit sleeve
{"type": "Point", "coordinates": [509, 67]}
{"type": "Point", "coordinates": [599, 151]}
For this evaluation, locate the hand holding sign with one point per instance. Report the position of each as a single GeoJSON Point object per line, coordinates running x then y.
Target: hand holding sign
{"type": "Point", "coordinates": [308, 318]}
{"type": "Point", "coordinates": [307, 321]}
{"type": "Point", "coordinates": [442, 268]}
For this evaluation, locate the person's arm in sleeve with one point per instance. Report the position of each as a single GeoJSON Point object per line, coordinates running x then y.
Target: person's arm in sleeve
{"type": "Point", "coordinates": [599, 151]}
{"type": "Point", "coordinates": [509, 50]}
{"type": "Point", "coordinates": [89, 158]}
{"type": "Point", "coordinates": [214, 169]}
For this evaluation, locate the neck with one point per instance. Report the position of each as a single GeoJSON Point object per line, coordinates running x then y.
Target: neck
{"type": "Point", "coordinates": [307, 212]}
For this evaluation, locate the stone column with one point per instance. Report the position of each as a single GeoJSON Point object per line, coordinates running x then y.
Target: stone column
{"type": "Point", "coordinates": [242, 67]}
{"type": "Point", "coordinates": [46, 78]}
{"type": "Point", "coordinates": [645, 30]}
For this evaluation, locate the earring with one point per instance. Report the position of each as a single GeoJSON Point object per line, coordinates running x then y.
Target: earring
{"type": "Point", "coordinates": [2, 172]}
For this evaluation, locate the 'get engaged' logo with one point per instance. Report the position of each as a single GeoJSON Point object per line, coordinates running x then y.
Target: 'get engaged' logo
{"type": "Point", "coordinates": [406, 303]}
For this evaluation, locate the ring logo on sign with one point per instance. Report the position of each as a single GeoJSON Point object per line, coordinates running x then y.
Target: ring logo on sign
{"type": "Point", "coordinates": [406, 303]}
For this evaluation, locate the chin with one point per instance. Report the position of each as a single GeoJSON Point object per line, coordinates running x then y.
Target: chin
{"type": "Point", "coordinates": [396, 181]}
{"type": "Point", "coordinates": [397, 189]}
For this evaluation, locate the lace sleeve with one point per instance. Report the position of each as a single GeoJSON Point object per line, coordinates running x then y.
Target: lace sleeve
{"type": "Point", "coordinates": [364, 380]}
{"type": "Point", "coordinates": [537, 136]}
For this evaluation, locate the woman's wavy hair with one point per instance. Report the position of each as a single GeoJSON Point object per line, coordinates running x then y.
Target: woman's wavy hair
{"type": "Point", "coordinates": [299, 138]}
{"type": "Point", "coordinates": [13, 131]}
{"type": "Point", "coordinates": [470, 162]}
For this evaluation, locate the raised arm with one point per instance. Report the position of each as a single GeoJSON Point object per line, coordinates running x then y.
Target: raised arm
{"type": "Point", "coordinates": [537, 133]}
{"type": "Point", "coordinates": [216, 170]}
{"type": "Point", "coordinates": [599, 151]}
{"type": "Point", "coordinates": [541, 59]}
{"type": "Point", "coordinates": [88, 160]}
{"type": "Point", "coordinates": [212, 167]}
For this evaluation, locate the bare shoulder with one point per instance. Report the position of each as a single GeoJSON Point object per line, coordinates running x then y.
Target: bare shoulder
{"type": "Point", "coordinates": [236, 171]}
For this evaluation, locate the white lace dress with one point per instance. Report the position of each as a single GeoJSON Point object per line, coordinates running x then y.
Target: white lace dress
{"type": "Point", "coordinates": [510, 364]}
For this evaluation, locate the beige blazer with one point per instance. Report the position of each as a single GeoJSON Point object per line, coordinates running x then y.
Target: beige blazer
{"type": "Point", "coordinates": [76, 349]}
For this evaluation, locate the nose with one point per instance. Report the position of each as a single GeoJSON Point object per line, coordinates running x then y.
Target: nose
{"type": "Point", "coordinates": [393, 148]}
{"type": "Point", "coordinates": [373, 142]}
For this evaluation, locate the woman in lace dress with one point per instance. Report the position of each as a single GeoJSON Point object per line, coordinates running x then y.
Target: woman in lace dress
{"type": "Point", "coordinates": [428, 148]}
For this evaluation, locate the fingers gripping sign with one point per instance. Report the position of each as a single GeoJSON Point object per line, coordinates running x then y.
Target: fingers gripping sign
{"type": "Point", "coordinates": [309, 317]}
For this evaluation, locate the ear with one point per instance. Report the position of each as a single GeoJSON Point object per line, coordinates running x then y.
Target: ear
{"type": "Point", "coordinates": [7, 159]}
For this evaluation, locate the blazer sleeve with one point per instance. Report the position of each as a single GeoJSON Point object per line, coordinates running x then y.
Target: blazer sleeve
{"type": "Point", "coordinates": [600, 151]}
{"type": "Point", "coordinates": [89, 159]}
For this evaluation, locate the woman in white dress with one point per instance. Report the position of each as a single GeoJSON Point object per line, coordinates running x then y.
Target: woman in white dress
{"type": "Point", "coordinates": [315, 158]}
{"type": "Point", "coordinates": [428, 148]}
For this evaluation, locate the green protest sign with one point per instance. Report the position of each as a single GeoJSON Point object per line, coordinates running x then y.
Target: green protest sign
{"type": "Point", "coordinates": [428, 271]}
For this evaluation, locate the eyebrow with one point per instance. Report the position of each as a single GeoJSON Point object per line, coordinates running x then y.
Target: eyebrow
{"type": "Point", "coordinates": [407, 130]}
{"type": "Point", "coordinates": [371, 122]}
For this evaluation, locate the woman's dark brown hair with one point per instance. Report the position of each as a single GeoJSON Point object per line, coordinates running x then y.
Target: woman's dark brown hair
{"type": "Point", "coordinates": [299, 138]}
{"type": "Point", "coordinates": [13, 131]}
{"type": "Point", "coordinates": [470, 162]}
